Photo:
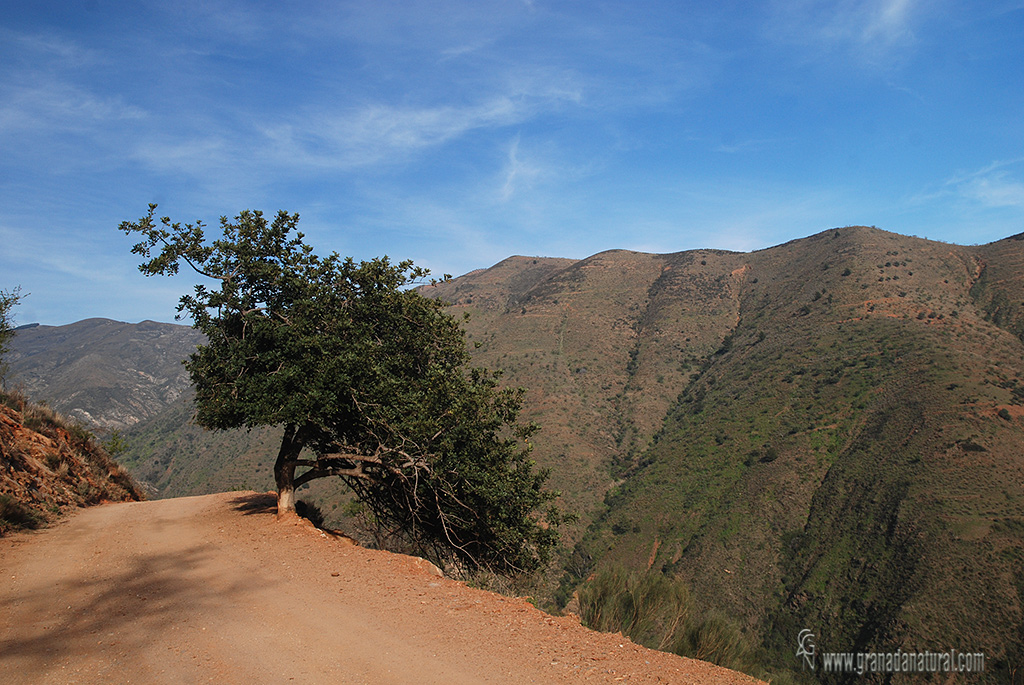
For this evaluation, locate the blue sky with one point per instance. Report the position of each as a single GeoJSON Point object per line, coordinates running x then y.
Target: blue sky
{"type": "Point", "coordinates": [459, 133]}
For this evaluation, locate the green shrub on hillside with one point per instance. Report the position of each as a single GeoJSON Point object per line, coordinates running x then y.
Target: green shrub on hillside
{"type": "Point", "coordinates": [658, 612]}
{"type": "Point", "coordinates": [650, 608]}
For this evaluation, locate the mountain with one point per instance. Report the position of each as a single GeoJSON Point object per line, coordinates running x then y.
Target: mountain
{"type": "Point", "coordinates": [603, 345]}
{"type": "Point", "coordinates": [106, 373]}
{"type": "Point", "coordinates": [823, 435]}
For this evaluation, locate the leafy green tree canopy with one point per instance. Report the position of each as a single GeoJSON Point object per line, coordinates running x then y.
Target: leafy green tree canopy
{"type": "Point", "coordinates": [369, 381]}
{"type": "Point", "coordinates": [8, 300]}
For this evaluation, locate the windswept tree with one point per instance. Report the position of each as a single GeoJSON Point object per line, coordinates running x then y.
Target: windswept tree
{"type": "Point", "coordinates": [368, 381]}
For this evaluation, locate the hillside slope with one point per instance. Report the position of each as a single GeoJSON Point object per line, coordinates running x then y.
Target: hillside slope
{"type": "Point", "coordinates": [49, 465]}
{"type": "Point", "coordinates": [603, 346]}
{"type": "Point", "coordinates": [849, 459]}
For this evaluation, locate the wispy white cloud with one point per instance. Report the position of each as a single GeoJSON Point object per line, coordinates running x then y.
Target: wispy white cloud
{"type": "Point", "coordinates": [463, 50]}
{"type": "Point", "coordinates": [228, 20]}
{"type": "Point", "coordinates": [888, 21]}
{"type": "Point", "coordinates": [197, 155]}
{"type": "Point", "coordinates": [422, 27]}
{"type": "Point", "coordinates": [41, 87]}
{"type": "Point", "coordinates": [384, 133]}
{"type": "Point", "coordinates": [53, 105]}
{"type": "Point", "coordinates": [745, 146]}
{"type": "Point", "coordinates": [997, 166]}
{"type": "Point", "coordinates": [869, 29]}
{"type": "Point", "coordinates": [379, 133]}
{"type": "Point", "coordinates": [51, 49]}
{"type": "Point", "coordinates": [992, 186]}
{"type": "Point", "coordinates": [996, 192]}
{"type": "Point", "coordinates": [984, 199]}
{"type": "Point", "coordinates": [518, 172]}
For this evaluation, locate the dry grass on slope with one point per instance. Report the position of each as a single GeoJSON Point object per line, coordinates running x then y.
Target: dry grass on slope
{"type": "Point", "coordinates": [49, 463]}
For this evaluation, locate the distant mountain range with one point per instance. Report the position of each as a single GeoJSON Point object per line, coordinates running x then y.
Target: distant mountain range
{"type": "Point", "coordinates": [104, 372]}
{"type": "Point", "coordinates": [825, 434]}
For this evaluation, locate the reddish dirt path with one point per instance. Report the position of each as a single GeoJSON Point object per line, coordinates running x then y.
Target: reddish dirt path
{"type": "Point", "coordinates": [214, 589]}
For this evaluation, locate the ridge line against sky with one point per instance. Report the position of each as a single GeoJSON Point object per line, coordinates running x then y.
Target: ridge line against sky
{"type": "Point", "coordinates": [459, 133]}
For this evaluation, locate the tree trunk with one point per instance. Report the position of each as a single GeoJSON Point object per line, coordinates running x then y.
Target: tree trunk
{"type": "Point", "coordinates": [284, 470]}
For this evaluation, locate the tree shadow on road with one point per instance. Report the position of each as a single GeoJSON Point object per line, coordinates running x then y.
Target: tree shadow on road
{"type": "Point", "coordinates": [266, 503]}
{"type": "Point", "coordinates": [115, 613]}
{"type": "Point", "coordinates": [256, 503]}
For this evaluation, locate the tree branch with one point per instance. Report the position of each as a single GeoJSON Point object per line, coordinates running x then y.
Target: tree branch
{"type": "Point", "coordinates": [313, 474]}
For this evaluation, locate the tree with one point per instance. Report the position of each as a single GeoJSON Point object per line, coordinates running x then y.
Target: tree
{"type": "Point", "coordinates": [368, 377]}
{"type": "Point", "coordinates": [8, 300]}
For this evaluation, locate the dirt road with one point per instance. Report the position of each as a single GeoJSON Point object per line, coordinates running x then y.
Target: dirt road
{"type": "Point", "coordinates": [215, 589]}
